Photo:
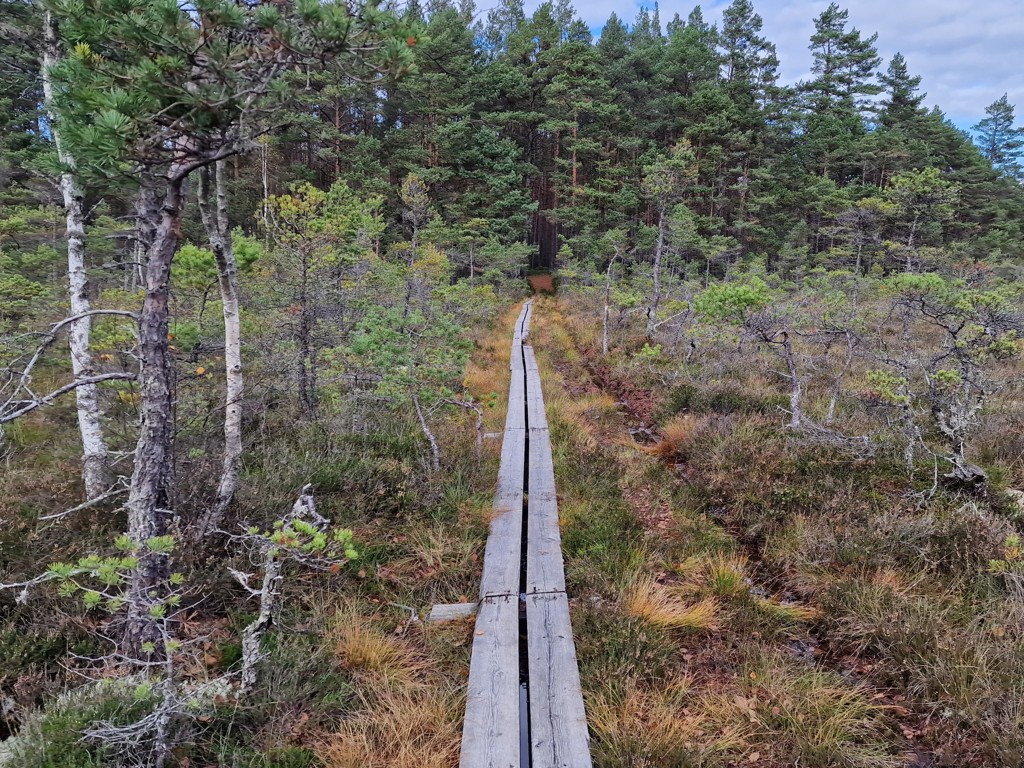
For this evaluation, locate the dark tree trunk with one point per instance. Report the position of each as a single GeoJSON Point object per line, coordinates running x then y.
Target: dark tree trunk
{"type": "Point", "coordinates": [147, 499]}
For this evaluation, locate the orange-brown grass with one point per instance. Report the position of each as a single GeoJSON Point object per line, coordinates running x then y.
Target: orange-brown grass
{"type": "Point", "coordinates": [368, 653]}
{"type": "Point", "coordinates": [544, 283]}
{"type": "Point", "coordinates": [664, 607]}
{"type": "Point", "coordinates": [675, 433]}
{"type": "Point", "coordinates": [398, 729]}
{"type": "Point", "coordinates": [487, 372]}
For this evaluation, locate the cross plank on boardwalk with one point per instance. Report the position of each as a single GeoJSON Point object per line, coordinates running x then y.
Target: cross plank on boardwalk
{"type": "Point", "coordinates": [558, 723]}
{"type": "Point", "coordinates": [490, 734]}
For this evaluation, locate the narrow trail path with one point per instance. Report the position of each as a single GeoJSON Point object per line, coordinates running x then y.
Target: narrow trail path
{"type": "Point", "coordinates": [524, 705]}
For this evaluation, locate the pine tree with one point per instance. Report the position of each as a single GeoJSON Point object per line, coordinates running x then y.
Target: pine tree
{"type": "Point", "coordinates": [750, 75]}
{"type": "Point", "coordinates": [502, 22]}
{"type": "Point", "coordinates": [902, 103]}
{"type": "Point", "coordinates": [750, 62]}
{"type": "Point", "coordinates": [21, 135]}
{"type": "Point", "coordinates": [665, 181]}
{"type": "Point", "coordinates": [844, 66]}
{"type": "Point", "coordinates": [844, 62]}
{"type": "Point", "coordinates": [1001, 143]}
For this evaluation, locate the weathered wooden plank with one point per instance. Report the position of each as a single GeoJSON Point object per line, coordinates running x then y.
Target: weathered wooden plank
{"type": "Point", "coordinates": [544, 569]}
{"type": "Point", "coordinates": [530, 361]}
{"type": "Point", "coordinates": [525, 325]}
{"type": "Point", "coordinates": [515, 416]}
{"type": "Point", "coordinates": [519, 330]}
{"type": "Point", "coordinates": [535, 413]}
{"type": "Point", "coordinates": [451, 612]}
{"type": "Point", "coordinates": [516, 361]}
{"type": "Point", "coordinates": [558, 721]}
{"type": "Point", "coordinates": [504, 544]}
{"type": "Point", "coordinates": [490, 734]}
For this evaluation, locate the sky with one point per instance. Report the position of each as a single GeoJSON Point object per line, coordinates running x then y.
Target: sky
{"type": "Point", "coordinates": [968, 53]}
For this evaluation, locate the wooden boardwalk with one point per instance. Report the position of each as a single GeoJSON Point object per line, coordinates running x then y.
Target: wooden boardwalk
{"type": "Point", "coordinates": [522, 644]}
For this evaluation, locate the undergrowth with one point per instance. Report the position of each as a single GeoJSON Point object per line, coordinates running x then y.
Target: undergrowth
{"type": "Point", "coordinates": [743, 594]}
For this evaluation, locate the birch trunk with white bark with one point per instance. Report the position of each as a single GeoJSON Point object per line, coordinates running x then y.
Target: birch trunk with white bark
{"type": "Point", "coordinates": [435, 451]}
{"type": "Point", "coordinates": [652, 311]}
{"type": "Point", "coordinates": [796, 389]}
{"type": "Point", "coordinates": [215, 220]}
{"type": "Point", "coordinates": [95, 465]}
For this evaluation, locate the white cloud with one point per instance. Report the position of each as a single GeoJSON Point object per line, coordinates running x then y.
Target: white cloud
{"type": "Point", "coordinates": [967, 53]}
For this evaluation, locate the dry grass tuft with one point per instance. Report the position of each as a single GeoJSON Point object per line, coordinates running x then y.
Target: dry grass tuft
{"type": "Point", "coordinates": [400, 729]}
{"type": "Point", "coordinates": [675, 434]}
{"type": "Point", "coordinates": [723, 577]}
{"type": "Point", "coordinates": [486, 379]}
{"type": "Point", "coordinates": [784, 613]}
{"type": "Point", "coordinates": [663, 607]}
{"type": "Point", "coordinates": [718, 575]}
{"type": "Point", "coordinates": [438, 556]}
{"type": "Point", "coordinates": [371, 654]}
{"type": "Point", "coordinates": [650, 728]}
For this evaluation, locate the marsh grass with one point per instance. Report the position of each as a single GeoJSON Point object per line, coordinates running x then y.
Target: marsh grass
{"type": "Point", "coordinates": [746, 542]}
{"type": "Point", "coordinates": [408, 709]}
{"type": "Point", "coordinates": [664, 607]}
{"type": "Point", "coordinates": [373, 657]}
{"type": "Point", "coordinates": [397, 729]}
{"type": "Point", "coordinates": [806, 716]}
{"type": "Point", "coordinates": [665, 726]}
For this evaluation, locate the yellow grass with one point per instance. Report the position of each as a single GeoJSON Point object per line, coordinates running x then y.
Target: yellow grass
{"type": "Point", "coordinates": [369, 653]}
{"type": "Point", "coordinates": [663, 607]}
{"type": "Point", "coordinates": [400, 729]}
{"type": "Point", "coordinates": [641, 727]}
{"type": "Point", "coordinates": [785, 613]}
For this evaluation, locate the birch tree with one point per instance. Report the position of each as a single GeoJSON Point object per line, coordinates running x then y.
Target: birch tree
{"type": "Point", "coordinates": [665, 181]}
{"type": "Point", "coordinates": [214, 213]}
{"type": "Point", "coordinates": [95, 469]}
{"type": "Point", "coordinates": [152, 88]}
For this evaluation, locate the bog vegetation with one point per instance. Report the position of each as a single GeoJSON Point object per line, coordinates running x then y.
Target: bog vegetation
{"type": "Point", "coordinates": [258, 268]}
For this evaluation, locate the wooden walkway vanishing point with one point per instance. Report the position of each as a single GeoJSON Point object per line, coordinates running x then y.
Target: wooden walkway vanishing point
{"type": "Point", "coordinates": [524, 705]}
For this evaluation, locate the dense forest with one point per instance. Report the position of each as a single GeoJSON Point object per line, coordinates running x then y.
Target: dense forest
{"type": "Point", "coordinates": [259, 264]}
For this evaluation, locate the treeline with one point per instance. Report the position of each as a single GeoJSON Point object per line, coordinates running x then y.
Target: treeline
{"type": "Point", "coordinates": [532, 125]}
{"type": "Point", "coordinates": [527, 129]}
